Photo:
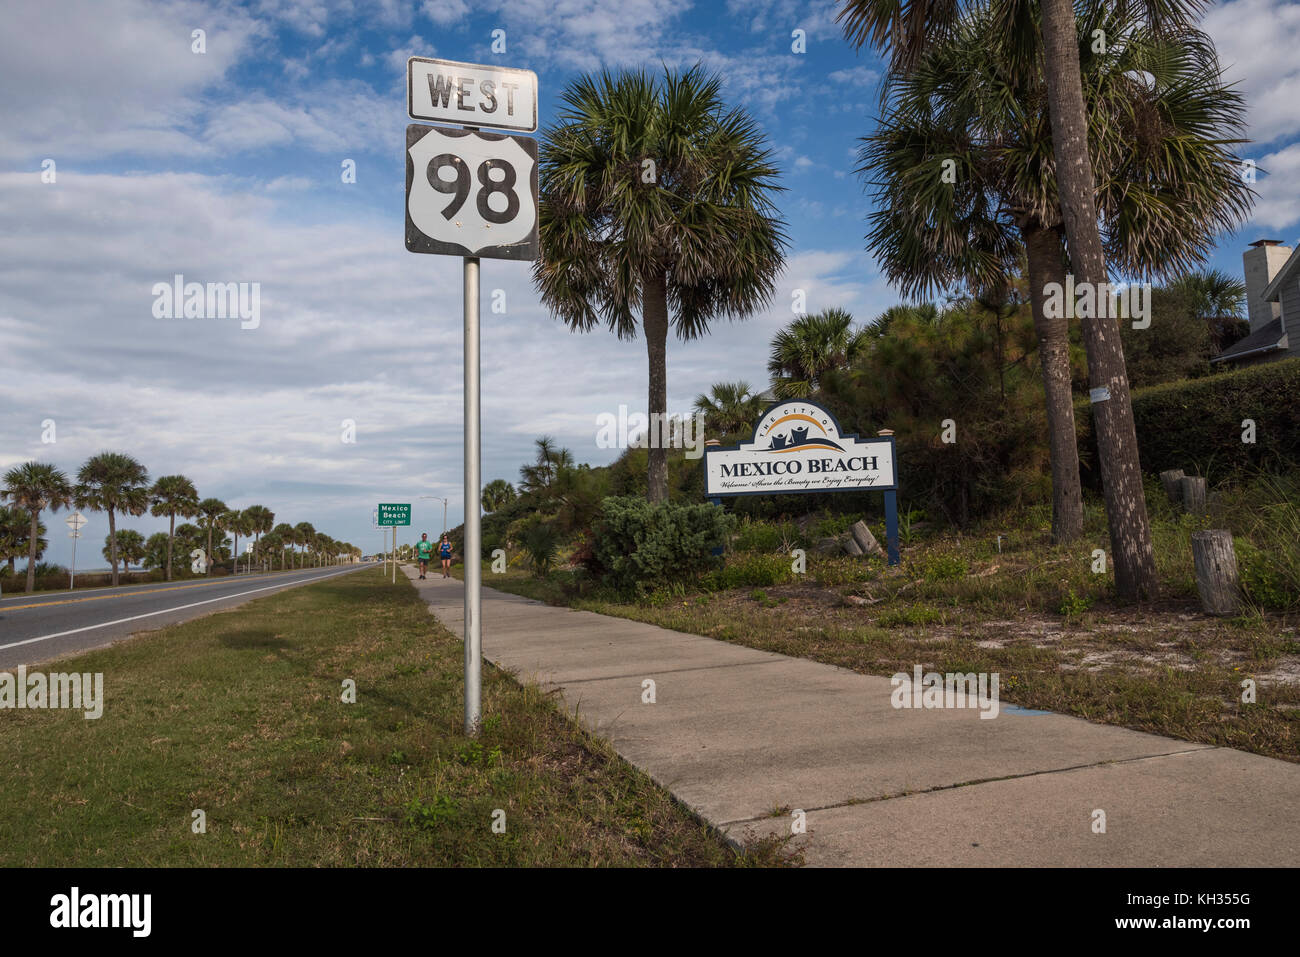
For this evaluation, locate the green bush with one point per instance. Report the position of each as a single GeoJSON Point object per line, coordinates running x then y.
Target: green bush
{"type": "Point", "coordinates": [756, 535]}
{"type": "Point", "coordinates": [1197, 426]}
{"type": "Point", "coordinates": [1267, 581]}
{"type": "Point", "coordinates": [639, 545]}
{"type": "Point", "coordinates": [749, 570]}
{"type": "Point", "coordinates": [941, 567]}
{"type": "Point", "coordinates": [540, 541]}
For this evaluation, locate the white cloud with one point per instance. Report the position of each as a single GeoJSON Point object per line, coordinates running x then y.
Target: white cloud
{"type": "Point", "coordinates": [415, 46]}
{"type": "Point", "coordinates": [445, 12]}
{"type": "Point", "coordinates": [1257, 41]}
{"type": "Point", "coordinates": [96, 78]}
{"type": "Point", "coordinates": [1278, 206]}
{"type": "Point", "coordinates": [352, 326]}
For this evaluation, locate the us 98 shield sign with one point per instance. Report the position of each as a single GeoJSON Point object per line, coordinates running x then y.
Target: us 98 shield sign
{"type": "Point", "coordinates": [470, 193]}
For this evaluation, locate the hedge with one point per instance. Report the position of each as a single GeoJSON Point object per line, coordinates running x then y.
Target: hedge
{"type": "Point", "coordinates": [1197, 426]}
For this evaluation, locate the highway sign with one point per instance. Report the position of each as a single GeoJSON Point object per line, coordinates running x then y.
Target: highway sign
{"type": "Point", "coordinates": [470, 193]}
{"type": "Point", "coordinates": [75, 521]}
{"type": "Point", "coordinates": [393, 514]}
{"type": "Point", "coordinates": [469, 94]}
{"type": "Point", "coordinates": [75, 533]}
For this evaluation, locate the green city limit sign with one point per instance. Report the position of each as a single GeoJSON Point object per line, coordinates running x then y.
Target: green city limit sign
{"type": "Point", "coordinates": [391, 514]}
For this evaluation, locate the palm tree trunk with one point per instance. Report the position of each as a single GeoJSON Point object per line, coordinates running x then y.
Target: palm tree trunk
{"type": "Point", "coordinates": [171, 534]}
{"type": "Point", "coordinates": [207, 559]}
{"type": "Point", "coordinates": [654, 318]}
{"type": "Point", "coordinates": [1043, 249]}
{"type": "Point", "coordinates": [112, 542]}
{"type": "Point", "coordinates": [31, 552]}
{"type": "Point", "coordinates": [1112, 411]}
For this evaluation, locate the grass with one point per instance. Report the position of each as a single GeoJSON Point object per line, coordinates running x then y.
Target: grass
{"type": "Point", "coordinates": [1034, 612]}
{"type": "Point", "coordinates": [241, 715]}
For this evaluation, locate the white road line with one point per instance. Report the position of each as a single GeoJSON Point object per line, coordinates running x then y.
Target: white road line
{"type": "Point", "coordinates": [164, 611]}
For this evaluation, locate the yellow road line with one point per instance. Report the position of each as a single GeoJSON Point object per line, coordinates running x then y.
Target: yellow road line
{"type": "Point", "coordinates": [148, 591]}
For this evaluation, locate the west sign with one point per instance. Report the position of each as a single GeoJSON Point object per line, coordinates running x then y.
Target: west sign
{"type": "Point", "coordinates": [797, 447]}
{"type": "Point", "coordinates": [470, 94]}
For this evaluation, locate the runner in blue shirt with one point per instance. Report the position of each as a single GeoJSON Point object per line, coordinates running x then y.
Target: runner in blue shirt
{"type": "Point", "coordinates": [444, 552]}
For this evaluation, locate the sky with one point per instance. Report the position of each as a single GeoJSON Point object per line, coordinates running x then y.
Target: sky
{"type": "Point", "coordinates": [227, 165]}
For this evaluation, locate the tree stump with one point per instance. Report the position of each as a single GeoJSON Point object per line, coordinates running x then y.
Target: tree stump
{"type": "Point", "coordinates": [851, 546]}
{"type": "Point", "coordinates": [1216, 571]}
{"type": "Point", "coordinates": [1172, 481]}
{"type": "Point", "coordinates": [1193, 494]}
{"type": "Point", "coordinates": [860, 534]}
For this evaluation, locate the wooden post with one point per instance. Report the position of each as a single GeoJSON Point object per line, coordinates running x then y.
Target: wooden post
{"type": "Point", "coordinates": [1193, 494]}
{"type": "Point", "coordinates": [1216, 571]}
{"type": "Point", "coordinates": [862, 537]}
{"type": "Point", "coordinates": [1172, 481]}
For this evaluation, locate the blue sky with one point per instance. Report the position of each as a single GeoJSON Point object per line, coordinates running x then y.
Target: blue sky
{"type": "Point", "coordinates": [225, 166]}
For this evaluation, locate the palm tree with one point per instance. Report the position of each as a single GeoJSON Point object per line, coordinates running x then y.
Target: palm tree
{"type": "Point", "coordinates": [126, 543]}
{"type": "Point", "coordinates": [284, 534]}
{"type": "Point", "coordinates": [34, 487]}
{"type": "Point", "coordinates": [260, 520]}
{"type": "Point", "coordinates": [15, 528]}
{"type": "Point", "coordinates": [211, 510]}
{"type": "Point", "coordinates": [497, 494]}
{"type": "Point", "coordinates": [303, 535]}
{"type": "Point", "coordinates": [656, 199]}
{"type": "Point", "coordinates": [232, 523]}
{"type": "Point", "coordinates": [246, 525]}
{"type": "Point", "coordinates": [1167, 186]}
{"type": "Point", "coordinates": [550, 462]}
{"type": "Point", "coordinates": [808, 348]}
{"type": "Point", "coordinates": [115, 483]}
{"type": "Point", "coordinates": [904, 28]}
{"type": "Point", "coordinates": [730, 409]}
{"type": "Point", "coordinates": [173, 495]}
{"type": "Point", "coordinates": [272, 542]}
{"type": "Point", "coordinates": [1216, 298]}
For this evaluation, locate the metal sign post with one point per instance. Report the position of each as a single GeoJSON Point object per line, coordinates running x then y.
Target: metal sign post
{"type": "Point", "coordinates": [75, 521]}
{"type": "Point", "coordinates": [473, 494]}
{"type": "Point", "coordinates": [474, 195]}
{"type": "Point", "coordinates": [798, 448]}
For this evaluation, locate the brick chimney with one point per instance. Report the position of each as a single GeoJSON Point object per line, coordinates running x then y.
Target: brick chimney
{"type": "Point", "coordinates": [1262, 261]}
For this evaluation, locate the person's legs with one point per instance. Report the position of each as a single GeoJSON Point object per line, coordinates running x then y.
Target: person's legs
{"type": "Point", "coordinates": [446, 568]}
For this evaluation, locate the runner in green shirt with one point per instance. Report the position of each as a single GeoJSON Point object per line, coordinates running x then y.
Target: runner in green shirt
{"type": "Point", "coordinates": [424, 551]}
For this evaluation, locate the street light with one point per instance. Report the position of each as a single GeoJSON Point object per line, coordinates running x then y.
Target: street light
{"type": "Point", "coordinates": [439, 498]}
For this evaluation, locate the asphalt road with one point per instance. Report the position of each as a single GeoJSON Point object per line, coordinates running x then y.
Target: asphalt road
{"type": "Point", "coordinates": [47, 625]}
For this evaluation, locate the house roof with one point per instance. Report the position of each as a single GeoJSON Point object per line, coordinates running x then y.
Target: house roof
{"type": "Point", "coordinates": [1266, 339]}
{"type": "Point", "coordinates": [1289, 269]}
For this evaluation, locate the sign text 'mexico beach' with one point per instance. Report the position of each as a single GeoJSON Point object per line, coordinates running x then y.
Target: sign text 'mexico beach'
{"type": "Point", "coordinates": [797, 447]}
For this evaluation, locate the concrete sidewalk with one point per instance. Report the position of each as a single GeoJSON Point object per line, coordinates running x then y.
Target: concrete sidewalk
{"type": "Point", "coordinates": [746, 737]}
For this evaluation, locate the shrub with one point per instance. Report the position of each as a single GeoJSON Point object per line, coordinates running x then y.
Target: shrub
{"type": "Point", "coordinates": [540, 541]}
{"type": "Point", "coordinates": [941, 567]}
{"type": "Point", "coordinates": [640, 545]}
{"type": "Point", "coordinates": [749, 570]}
{"type": "Point", "coordinates": [1266, 581]}
{"type": "Point", "coordinates": [1196, 426]}
{"type": "Point", "coordinates": [756, 535]}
